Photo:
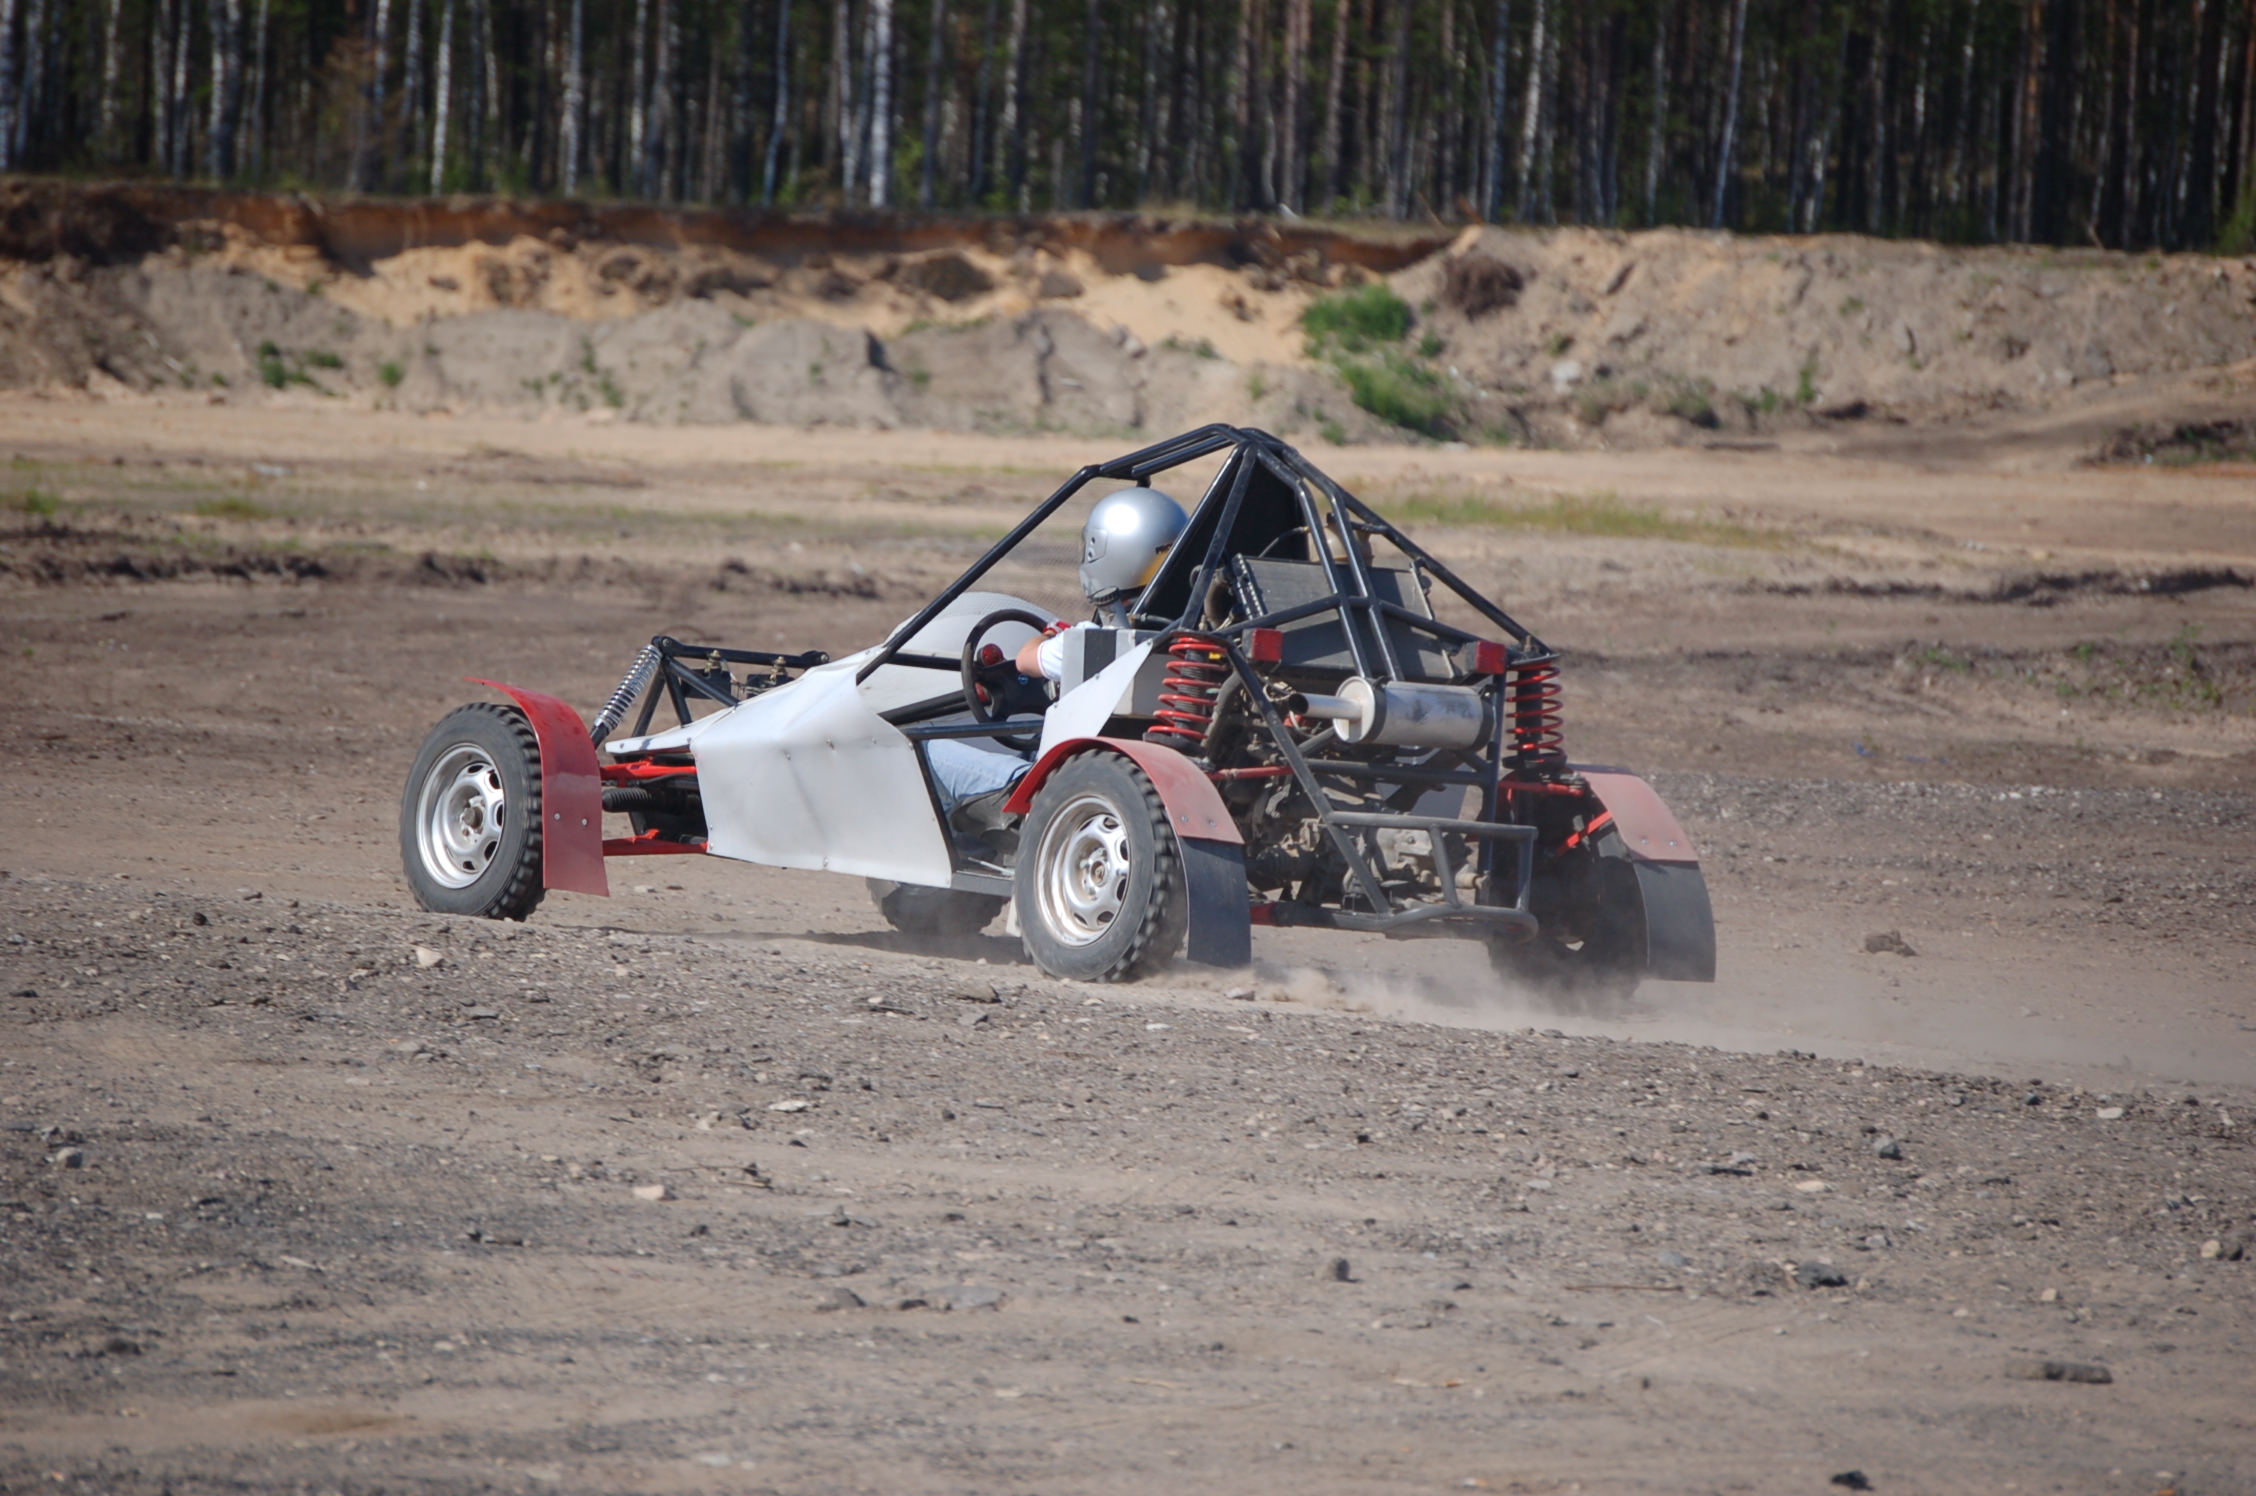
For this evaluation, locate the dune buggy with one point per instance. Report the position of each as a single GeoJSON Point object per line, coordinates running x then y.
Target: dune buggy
{"type": "Point", "coordinates": [1286, 728]}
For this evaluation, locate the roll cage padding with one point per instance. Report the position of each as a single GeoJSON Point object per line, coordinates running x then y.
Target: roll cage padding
{"type": "Point", "coordinates": [571, 793]}
{"type": "Point", "coordinates": [1212, 848]}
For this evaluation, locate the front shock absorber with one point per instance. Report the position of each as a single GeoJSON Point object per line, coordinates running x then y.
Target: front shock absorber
{"type": "Point", "coordinates": [1538, 740]}
{"type": "Point", "coordinates": [1196, 670]}
{"type": "Point", "coordinates": [615, 710]}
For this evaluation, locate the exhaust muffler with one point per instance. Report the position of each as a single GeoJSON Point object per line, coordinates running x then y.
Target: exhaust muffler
{"type": "Point", "coordinates": [1396, 714]}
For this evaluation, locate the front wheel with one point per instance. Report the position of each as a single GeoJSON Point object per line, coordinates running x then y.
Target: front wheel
{"type": "Point", "coordinates": [470, 827]}
{"type": "Point", "coordinates": [1100, 887]}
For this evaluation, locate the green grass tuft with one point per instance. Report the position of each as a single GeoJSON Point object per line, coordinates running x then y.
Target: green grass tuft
{"type": "Point", "coordinates": [1356, 321]}
{"type": "Point", "coordinates": [34, 501]}
{"type": "Point", "coordinates": [1599, 513]}
{"type": "Point", "coordinates": [230, 507]}
{"type": "Point", "coordinates": [1396, 389]}
{"type": "Point", "coordinates": [391, 373]}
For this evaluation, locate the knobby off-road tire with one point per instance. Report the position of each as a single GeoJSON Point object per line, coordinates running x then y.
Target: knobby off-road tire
{"type": "Point", "coordinates": [934, 911]}
{"type": "Point", "coordinates": [1100, 890]}
{"type": "Point", "coordinates": [1602, 968]}
{"type": "Point", "coordinates": [470, 821]}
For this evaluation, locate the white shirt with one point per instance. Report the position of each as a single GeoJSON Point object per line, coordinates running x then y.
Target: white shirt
{"type": "Point", "coordinates": [1051, 656]}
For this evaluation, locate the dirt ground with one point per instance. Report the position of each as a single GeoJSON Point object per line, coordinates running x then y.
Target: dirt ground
{"type": "Point", "coordinates": [307, 1190]}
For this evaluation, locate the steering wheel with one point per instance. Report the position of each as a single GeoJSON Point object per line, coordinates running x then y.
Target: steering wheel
{"type": "Point", "coordinates": [993, 689]}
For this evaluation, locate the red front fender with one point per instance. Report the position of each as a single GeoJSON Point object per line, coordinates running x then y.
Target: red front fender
{"type": "Point", "coordinates": [571, 793]}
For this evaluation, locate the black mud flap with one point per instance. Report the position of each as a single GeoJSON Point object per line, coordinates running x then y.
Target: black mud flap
{"type": "Point", "coordinates": [1679, 925]}
{"type": "Point", "coordinates": [1214, 882]}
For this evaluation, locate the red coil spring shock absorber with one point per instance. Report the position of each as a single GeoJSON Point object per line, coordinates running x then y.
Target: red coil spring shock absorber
{"type": "Point", "coordinates": [1537, 740]}
{"type": "Point", "coordinates": [1196, 669]}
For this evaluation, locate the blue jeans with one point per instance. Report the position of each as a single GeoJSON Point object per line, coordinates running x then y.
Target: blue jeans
{"type": "Point", "coordinates": [965, 769]}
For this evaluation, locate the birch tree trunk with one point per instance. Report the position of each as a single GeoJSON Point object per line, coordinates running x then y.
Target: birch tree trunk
{"type": "Point", "coordinates": [782, 101]}
{"type": "Point", "coordinates": [1441, 117]}
{"type": "Point", "coordinates": [712, 129]}
{"type": "Point", "coordinates": [1289, 173]}
{"type": "Point", "coordinates": [1730, 112]}
{"type": "Point", "coordinates": [1962, 139]}
{"type": "Point", "coordinates": [105, 113]}
{"type": "Point", "coordinates": [574, 124]}
{"type": "Point", "coordinates": [178, 165]}
{"type": "Point", "coordinates": [1656, 129]}
{"type": "Point", "coordinates": [1012, 135]}
{"type": "Point", "coordinates": [1398, 112]}
{"type": "Point", "coordinates": [1879, 197]}
{"type": "Point", "coordinates": [1090, 111]}
{"type": "Point", "coordinates": [1329, 146]}
{"type": "Point", "coordinates": [1154, 18]}
{"type": "Point", "coordinates": [1241, 106]}
{"type": "Point", "coordinates": [31, 88]}
{"type": "Point", "coordinates": [849, 113]}
{"type": "Point", "coordinates": [1531, 121]}
{"type": "Point", "coordinates": [11, 97]}
{"type": "Point", "coordinates": [1367, 110]}
{"type": "Point", "coordinates": [479, 107]}
{"type": "Point", "coordinates": [983, 113]}
{"type": "Point", "coordinates": [1492, 153]}
{"type": "Point", "coordinates": [664, 126]}
{"type": "Point", "coordinates": [638, 118]}
{"type": "Point", "coordinates": [411, 88]}
{"type": "Point", "coordinates": [1546, 124]}
{"type": "Point", "coordinates": [379, 60]}
{"type": "Point", "coordinates": [261, 75]}
{"type": "Point", "coordinates": [881, 102]}
{"type": "Point", "coordinates": [933, 88]}
{"type": "Point", "coordinates": [226, 87]}
{"type": "Point", "coordinates": [1821, 148]}
{"type": "Point", "coordinates": [442, 95]}
{"type": "Point", "coordinates": [2201, 166]}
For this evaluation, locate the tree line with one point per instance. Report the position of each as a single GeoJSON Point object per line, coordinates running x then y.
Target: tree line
{"type": "Point", "coordinates": [2125, 123]}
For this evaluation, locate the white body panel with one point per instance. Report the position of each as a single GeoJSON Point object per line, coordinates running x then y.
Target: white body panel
{"type": "Point", "coordinates": [809, 775]}
{"type": "Point", "coordinates": [1083, 711]}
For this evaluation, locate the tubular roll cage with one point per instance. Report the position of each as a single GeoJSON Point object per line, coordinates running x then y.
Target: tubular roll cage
{"type": "Point", "coordinates": [1363, 615]}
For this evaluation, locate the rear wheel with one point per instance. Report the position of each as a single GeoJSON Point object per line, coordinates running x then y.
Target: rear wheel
{"type": "Point", "coordinates": [1591, 946]}
{"type": "Point", "coordinates": [934, 911]}
{"type": "Point", "coordinates": [1100, 881]}
{"type": "Point", "coordinates": [470, 838]}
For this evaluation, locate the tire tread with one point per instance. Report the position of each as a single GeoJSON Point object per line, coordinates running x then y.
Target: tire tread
{"type": "Point", "coordinates": [1165, 917]}
{"type": "Point", "coordinates": [521, 892]}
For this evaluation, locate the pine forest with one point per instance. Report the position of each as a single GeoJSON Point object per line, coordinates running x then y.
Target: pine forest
{"type": "Point", "coordinates": [2121, 123]}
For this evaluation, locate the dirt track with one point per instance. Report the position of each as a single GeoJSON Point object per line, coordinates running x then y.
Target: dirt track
{"type": "Point", "coordinates": [347, 1222]}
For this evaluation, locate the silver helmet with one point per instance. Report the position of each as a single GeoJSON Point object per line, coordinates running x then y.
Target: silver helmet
{"type": "Point", "coordinates": [1127, 536]}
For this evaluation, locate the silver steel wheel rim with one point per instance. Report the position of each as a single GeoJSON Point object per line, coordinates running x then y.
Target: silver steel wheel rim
{"type": "Point", "coordinates": [1082, 870]}
{"type": "Point", "coordinates": [460, 816]}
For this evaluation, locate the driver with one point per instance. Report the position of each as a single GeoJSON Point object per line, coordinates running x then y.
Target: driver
{"type": "Point", "coordinates": [1126, 537]}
